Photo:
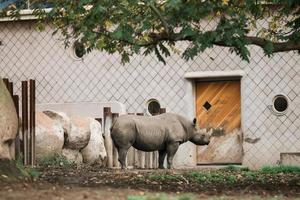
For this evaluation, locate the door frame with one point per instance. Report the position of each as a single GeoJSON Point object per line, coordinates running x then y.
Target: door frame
{"type": "Point", "coordinates": [191, 79]}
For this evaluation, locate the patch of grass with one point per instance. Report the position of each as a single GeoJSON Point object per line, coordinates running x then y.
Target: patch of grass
{"type": "Point", "coordinates": [250, 176]}
{"type": "Point", "coordinates": [26, 171]}
{"type": "Point", "coordinates": [198, 176]}
{"type": "Point", "coordinates": [280, 169]}
{"type": "Point", "coordinates": [164, 177]}
{"type": "Point", "coordinates": [210, 177]}
{"type": "Point", "coordinates": [231, 179]}
{"type": "Point", "coordinates": [161, 196]}
{"type": "Point", "coordinates": [55, 160]}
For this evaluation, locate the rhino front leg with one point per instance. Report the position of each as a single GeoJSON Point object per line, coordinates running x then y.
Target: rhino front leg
{"type": "Point", "coordinates": [161, 158]}
{"type": "Point", "coordinates": [171, 150]}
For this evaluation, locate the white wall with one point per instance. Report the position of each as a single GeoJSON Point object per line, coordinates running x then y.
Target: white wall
{"type": "Point", "coordinates": [26, 53]}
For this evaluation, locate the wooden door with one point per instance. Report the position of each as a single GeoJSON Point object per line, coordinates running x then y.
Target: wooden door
{"type": "Point", "coordinates": [218, 106]}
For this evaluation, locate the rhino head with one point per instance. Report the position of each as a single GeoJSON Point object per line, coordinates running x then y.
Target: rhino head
{"type": "Point", "coordinates": [199, 136]}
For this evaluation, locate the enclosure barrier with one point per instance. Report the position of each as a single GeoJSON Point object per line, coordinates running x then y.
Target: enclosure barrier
{"type": "Point", "coordinates": [24, 144]}
{"type": "Point", "coordinates": [24, 147]}
{"type": "Point", "coordinates": [135, 158]}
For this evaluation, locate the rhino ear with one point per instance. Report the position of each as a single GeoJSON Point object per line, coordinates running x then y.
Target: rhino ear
{"type": "Point", "coordinates": [194, 121]}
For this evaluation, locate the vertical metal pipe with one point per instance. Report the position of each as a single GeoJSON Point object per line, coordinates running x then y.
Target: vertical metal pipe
{"type": "Point", "coordinates": [136, 158]}
{"type": "Point", "coordinates": [108, 141]}
{"type": "Point", "coordinates": [32, 121]}
{"type": "Point", "coordinates": [25, 121]}
{"type": "Point", "coordinates": [150, 160]}
{"type": "Point", "coordinates": [17, 139]}
{"type": "Point", "coordinates": [115, 152]}
{"type": "Point", "coordinates": [155, 159]}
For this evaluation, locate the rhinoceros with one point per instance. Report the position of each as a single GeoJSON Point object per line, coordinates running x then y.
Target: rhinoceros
{"type": "Point", "coordinates": [163, 133]}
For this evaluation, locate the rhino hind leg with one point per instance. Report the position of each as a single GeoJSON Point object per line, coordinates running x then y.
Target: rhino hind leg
{"type": "Point", "coordinates": [122, 157]}
{"type": "Point", "coordinates": [171, 151]}
{"type": "Point", "coordinates": [161, 158]}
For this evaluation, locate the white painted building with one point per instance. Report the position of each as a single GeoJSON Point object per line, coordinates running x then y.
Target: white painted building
{"type": "Point", "coordinates": [261, 135]}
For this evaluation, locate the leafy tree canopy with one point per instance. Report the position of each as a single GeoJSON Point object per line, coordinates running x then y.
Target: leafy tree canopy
{"type": "Point", "coordinates": [131, 27]}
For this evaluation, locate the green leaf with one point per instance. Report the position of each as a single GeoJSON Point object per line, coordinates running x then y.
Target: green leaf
{"type": "Point", "coordinates": [268, 48]}
{"type": "Point", "coordinates": [100, 43]}
{"type": "Point", "coordinates": [125, 58]}
{"type": "Point", "coordinates": [164, 50]}
{"type": "Point", "coordinates": [159, 56]}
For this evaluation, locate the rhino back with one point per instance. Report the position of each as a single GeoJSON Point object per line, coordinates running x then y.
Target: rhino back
{"type": "Point", "coordinates": [152, 134]}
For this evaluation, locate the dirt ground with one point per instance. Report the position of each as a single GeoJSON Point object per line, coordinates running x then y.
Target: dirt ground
{"type": "Point", "coordinates": [97, 183]}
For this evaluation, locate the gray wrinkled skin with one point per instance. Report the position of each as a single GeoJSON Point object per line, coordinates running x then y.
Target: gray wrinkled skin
{"type": "Point", "coordinates": [163, 133]}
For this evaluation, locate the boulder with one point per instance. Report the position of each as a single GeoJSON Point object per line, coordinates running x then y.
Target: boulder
{"type": "Point", "coordinates": [49, 136]}
{"type": "Point", "coordinates": [62, 118]}
{"type": "Point", "coordinates": [95, 151]}
{"type": "Point", "coordinates": [8, 123]}
{"type": "Point", "coordinates": [72, 155]}
{"type": "Point", "coordinates": [79, 134]}
{"type": "Point", "coordinates": [223, 149]}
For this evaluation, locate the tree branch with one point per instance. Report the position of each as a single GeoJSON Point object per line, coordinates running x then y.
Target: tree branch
{"type": "Point", "coordinates": [174, 37]}
{"type": "Point", "coordinates": [261, 42]}
{"type": "Point", "coordinates": [163, 21]}
{"type": "Point", "coordinates": [278, 46]}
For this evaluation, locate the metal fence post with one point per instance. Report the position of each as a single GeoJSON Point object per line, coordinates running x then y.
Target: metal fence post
{"type": "Point", "coordinates": [32, 121]}
{"type": "Point", "coordinates": [17, 139]}
{"type": "Point", "coordinates": [108, 141]}
{"type": "Point", "coordinates": [115, 151]}
{"type": "Point", "coordinates": [25, 121]}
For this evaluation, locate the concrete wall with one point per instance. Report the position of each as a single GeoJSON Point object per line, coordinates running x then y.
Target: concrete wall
{"type": "Point", "coordinates": [27, 53]}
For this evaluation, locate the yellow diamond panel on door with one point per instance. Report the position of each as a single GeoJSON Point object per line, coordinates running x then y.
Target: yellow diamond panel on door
{"type": "Point", "coordinates": [218, 106]}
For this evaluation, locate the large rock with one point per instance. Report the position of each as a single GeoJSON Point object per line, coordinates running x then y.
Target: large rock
{"type": "Point", "coordinates": [62, 118]}
{"type": "Point", "coordinates": [95, 151]}
{"type": "Point", "coordinates": [49, 136]}
{"type": "Point", "coordinates": [80, 133]}
{"type": "Point", "coordinates": [8, 123]}
{"type": "Point", "coordinates": [73, 156]}
{"type": "Point", "coordinates": [223, 149]}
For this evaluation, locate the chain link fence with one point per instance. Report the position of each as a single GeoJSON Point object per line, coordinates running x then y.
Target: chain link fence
{"type": "Point", "coordinates": [60, 78]}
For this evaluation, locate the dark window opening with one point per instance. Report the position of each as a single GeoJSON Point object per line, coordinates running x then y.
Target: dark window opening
{"type": "Point", "coordinates": [79, 50]}
{"type": "Point", "coordinates": [280, 103]}
{"type": "Point", "coordinates": [154, 107]}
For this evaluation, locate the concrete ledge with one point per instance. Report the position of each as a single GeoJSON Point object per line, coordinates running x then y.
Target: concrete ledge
{"type": "Point", "coordinates": [214, 74]}
{"type": "Point", "coordinates": [290, 158]}
{"type": "Point", "coordinates": [84, 109]}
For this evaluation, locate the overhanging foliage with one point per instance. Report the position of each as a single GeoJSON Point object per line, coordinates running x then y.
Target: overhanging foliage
{"type": "Point", "coordinates": [131, 27]}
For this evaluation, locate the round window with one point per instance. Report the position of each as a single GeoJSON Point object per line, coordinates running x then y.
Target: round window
{"type": "Point", "coordinates": [280, 104]}
{"type": "Point", "coordinates": [78, 50]}
{"type": "Point", "coordinates": [153, 107]}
